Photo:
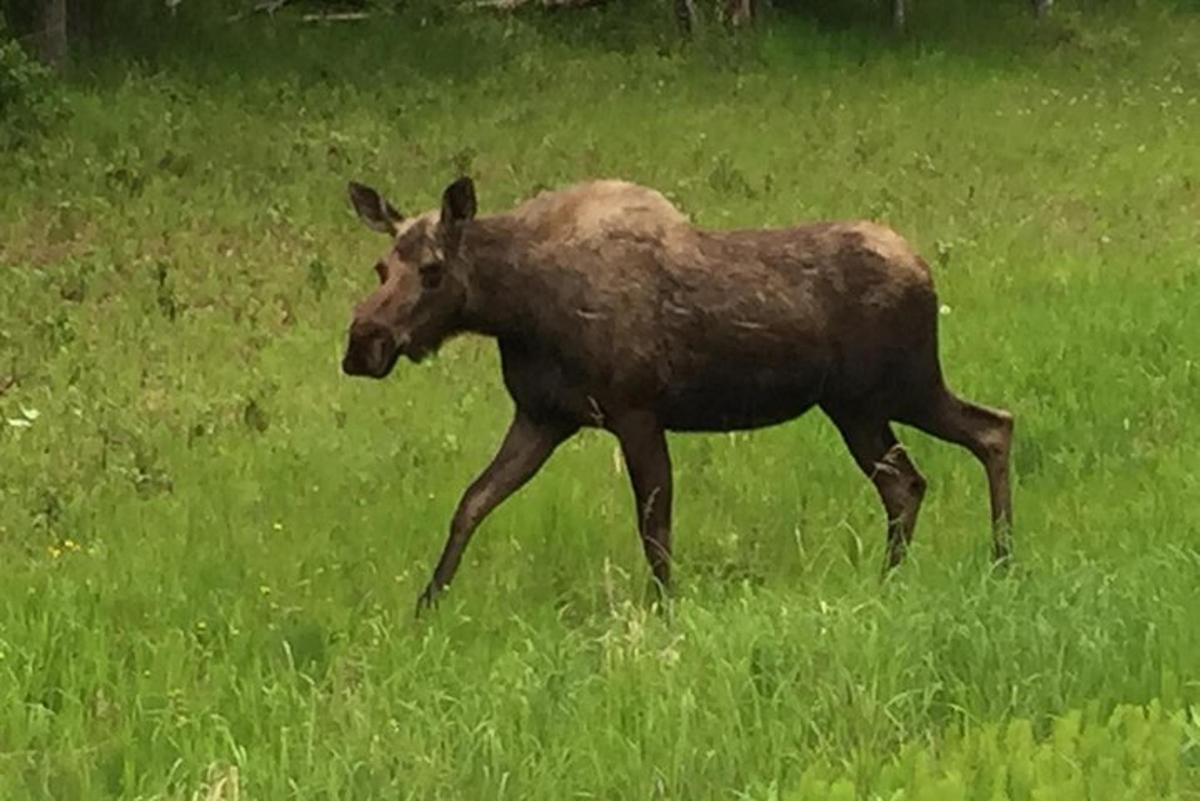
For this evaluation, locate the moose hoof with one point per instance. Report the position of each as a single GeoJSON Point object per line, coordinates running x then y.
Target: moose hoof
{"type": "Point", "coordinates": [428, 599]}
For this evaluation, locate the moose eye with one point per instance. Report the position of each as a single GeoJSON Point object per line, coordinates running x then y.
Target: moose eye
{"type": "Point", "coordinates": [431, 274]}
{"type": "Point", "coordinates": [381, 271]}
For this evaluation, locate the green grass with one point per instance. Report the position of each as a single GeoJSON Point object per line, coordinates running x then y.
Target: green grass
{"type": "Point", "coordinates": [211, 542]}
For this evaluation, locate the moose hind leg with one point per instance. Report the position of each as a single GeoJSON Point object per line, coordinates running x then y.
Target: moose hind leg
{"type": "Point", "coordinates": [644, 445]}
{"type": "Point", "coordinates": [987, 433]}
{"type": "Point", "coordinates": [900, 485]}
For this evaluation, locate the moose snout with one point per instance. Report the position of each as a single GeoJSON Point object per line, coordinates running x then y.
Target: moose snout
{"type": "Point", "coordinates": [371, 351]}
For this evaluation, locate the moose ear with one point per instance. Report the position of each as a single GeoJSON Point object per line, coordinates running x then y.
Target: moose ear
{"type": "Point", "coordinates": [458, 202]}
{"type": "Point", "coordinates": [372, 209]}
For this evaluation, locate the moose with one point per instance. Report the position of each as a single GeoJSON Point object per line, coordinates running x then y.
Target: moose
{"type": "Point", "coordinates": [612, 310]}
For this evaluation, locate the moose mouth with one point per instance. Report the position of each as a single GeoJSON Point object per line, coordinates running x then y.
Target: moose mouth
{"type": "Point", "coordinates": [415, 353]}
{"type": "Point", "coordinates": [372, 358]}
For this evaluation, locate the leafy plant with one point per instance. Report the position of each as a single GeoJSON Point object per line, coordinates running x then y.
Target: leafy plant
{"type": "Point", "coordinates": [29, 97]}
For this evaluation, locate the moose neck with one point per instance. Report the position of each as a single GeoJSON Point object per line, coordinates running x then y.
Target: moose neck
{"type": "Point", "coordinates": [506, 295]}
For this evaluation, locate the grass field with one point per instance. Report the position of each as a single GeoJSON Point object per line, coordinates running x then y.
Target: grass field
{"type": "Point", "coordinates": [211, 541]}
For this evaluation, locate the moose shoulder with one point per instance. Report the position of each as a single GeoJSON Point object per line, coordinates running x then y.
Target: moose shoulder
{"type": "Point", "coordinates": [611, 310]}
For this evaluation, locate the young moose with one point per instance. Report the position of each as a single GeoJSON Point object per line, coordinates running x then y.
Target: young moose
{"type": "Point", "coordinates": [611, 310]}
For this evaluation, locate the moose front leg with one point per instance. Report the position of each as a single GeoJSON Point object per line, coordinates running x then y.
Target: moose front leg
{"type": "Point", "coordinates": [644, 446]}
{"type": "Point", "coordinates": [526, 447]}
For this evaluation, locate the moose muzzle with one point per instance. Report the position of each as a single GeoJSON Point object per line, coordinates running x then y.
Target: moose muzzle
{"type": "Point", "coordinates": [372, 350]}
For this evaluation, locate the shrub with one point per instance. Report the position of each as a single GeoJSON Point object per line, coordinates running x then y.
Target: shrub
{"type": "Point", "coordinates": [29, 100]}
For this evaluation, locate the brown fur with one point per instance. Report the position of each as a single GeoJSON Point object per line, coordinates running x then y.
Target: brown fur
{"type": "Point", "coordinates": [611, 310]}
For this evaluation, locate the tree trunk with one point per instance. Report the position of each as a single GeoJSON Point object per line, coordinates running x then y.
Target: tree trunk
{"type": "Point", "coordinates": [685, 15]}
{"type": "Point", "coordinates": [52, 33]}
{"type": "Point", "coordinates": [739, 12]}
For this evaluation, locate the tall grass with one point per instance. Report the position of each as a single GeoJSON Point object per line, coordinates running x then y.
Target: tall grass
{"type": "Point", "coordinates": [211, 542]}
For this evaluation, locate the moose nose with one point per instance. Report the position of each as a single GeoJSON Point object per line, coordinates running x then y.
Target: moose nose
{"type": "Point", "coordinates": [366, 349]}
{"type": "Point", "coordinates": [366, 331]}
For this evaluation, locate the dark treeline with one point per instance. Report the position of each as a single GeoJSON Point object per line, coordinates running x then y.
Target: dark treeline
{"type": "Point", "coordinates": [54, 29]}
{"type": "Point", "coordinates": [60, 31]}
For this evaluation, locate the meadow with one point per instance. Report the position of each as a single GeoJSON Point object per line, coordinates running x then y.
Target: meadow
{"type": "Point", "coordinates": [211, 541]}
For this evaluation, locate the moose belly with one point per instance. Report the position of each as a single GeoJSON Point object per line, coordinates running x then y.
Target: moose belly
{"type": "Point", "coordinates": [739, 400]}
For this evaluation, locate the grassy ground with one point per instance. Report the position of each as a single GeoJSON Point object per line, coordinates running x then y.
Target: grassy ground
{"type": "Point", "coordinates": [211, 541]}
